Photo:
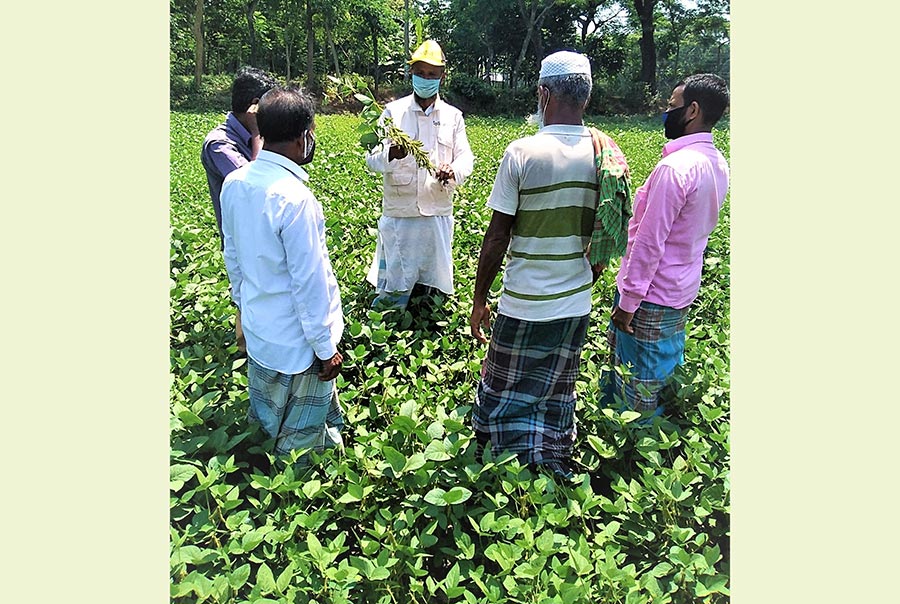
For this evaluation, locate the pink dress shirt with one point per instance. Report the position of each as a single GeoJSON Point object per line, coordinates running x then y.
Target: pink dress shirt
{"type": "Point", "coordinates": [674, 213]}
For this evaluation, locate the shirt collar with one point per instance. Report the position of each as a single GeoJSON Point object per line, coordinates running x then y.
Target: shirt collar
{"type": "Point", "coordinates": [435, 106]}
{"type": "Point", "coordinates": [281, 160]}
{"type": "Point", "coordinates": [231, 121]}
{"type": "Point", "coordinates": [563, 129]}
{"type": "Point", "coordinates": [688, 139]}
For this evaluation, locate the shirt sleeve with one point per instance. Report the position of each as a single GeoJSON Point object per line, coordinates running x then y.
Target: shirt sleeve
{"type": "Point", "coordinates": [226, 157]}
{"type": "Point", "coordinates": [377, 158]}
{"type": "Point", "coordinates": [505, 192]}
{"type": "Point", "coordinates": [302, 234]}
{"type": "Point", "coordinates": [235, 276]}
{"type": "Point", "coordinates": [665, 198]}
{"type": "Point", "coordinates": [463, 160]}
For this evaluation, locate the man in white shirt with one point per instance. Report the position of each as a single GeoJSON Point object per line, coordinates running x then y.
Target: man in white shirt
{"type": "Point", "coordinates": [282, 281]}
{"type": "Point", "coordinates": [415, 231]}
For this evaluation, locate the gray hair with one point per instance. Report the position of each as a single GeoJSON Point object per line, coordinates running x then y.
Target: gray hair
{"type": "Point", "coordinates": [573, 89]}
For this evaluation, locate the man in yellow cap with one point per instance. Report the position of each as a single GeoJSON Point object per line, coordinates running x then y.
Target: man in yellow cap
{"type": "Point", "coordinates": [415, 230]}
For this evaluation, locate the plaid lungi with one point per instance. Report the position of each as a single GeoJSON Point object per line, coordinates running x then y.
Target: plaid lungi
{"type": "Point", "coordinates": [525, 402]}
{"type": "Point", "coordinates": [298, 410]}
{"type": "Point", "coordinates": [651, 353]}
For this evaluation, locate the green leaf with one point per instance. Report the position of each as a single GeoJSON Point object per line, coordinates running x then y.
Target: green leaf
{"type": "Point", "coordinates": [315, 547]}
{"type": "Point", "coordinates": [180, 474]}
{"type": "Point", "coordinates": [284, 579]}
{"type": "Point", "coordinates": [189, 418]}
{"type": "Point", "coordinates": [580, 563]}
{"type": "Point", "coordinates": [457, 495]}
{"type": "Point", "coordinates": [436, 496]}
{"type": "Point", "coordinates": [363, 98]}
{"type": "Point", "coordinates": [238, 577]}
{"type": "Point", "coordinates": [311, 488]}
{"type": "Point", "coordinates": [630, 416]}
{"type": "Point", "coordinates": [415, 462]}
{"type": "Point", "coordinates": [603, 449]}
{"type": "Point", "coordinates": [710, 585]}
{"type": "Point", "coordinates": [265, 580]}
{"type": "Point", "coordinates": [395, 458]}
{"type": "Point", "coordinates": [252, 539]}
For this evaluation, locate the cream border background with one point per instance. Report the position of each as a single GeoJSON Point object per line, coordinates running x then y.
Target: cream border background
{"type": "Point", "coordinates": [814, 127]}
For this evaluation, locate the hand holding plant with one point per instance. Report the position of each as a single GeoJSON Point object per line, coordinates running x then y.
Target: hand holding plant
{"type": "Point", "coordinates": [374, 131]}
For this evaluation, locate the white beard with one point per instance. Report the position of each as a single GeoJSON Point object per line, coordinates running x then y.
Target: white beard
{"type": "Point", "coordinates": [537, 117]}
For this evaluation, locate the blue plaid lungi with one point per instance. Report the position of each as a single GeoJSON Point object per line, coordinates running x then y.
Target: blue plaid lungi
{"type": "Point", "coordinates": [298, 411]}
{"type": "Point", "coordinates": [651, 354]}
{"type": "Point", "coordinates": [525, 401]}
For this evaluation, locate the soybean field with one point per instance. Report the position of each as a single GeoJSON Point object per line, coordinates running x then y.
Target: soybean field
{"type": "Point", "coordinates": [407, 513]}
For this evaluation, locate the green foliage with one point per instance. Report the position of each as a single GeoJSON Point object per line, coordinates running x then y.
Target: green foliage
{"type": "Point", "coordinates": [408, 512]}
{"type": "Point", "coordinates": [481, 38]}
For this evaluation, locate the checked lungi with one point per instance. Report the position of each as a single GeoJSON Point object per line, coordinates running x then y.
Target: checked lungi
{"type": "Point", "coordinates": [299, 411]}
{"type": "Point", "coordinates": [651, 353]}
{"type": "Point", "coordinates": [525, 402]}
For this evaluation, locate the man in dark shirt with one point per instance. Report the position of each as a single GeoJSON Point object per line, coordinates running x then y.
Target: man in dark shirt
{"type": "Point", "coordinates": [236, 141]}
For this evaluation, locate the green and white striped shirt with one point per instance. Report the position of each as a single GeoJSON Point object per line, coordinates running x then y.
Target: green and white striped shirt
{"type": "Point", "coordinates": [549, 183]}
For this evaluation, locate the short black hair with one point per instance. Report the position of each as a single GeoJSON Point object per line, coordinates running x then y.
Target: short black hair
{"type": "Point", "coordinates": [284, 113]}
{"type": "Point", "coordinates": [249, 83]}
{"type": "Point", "coordinates": [711, 93]}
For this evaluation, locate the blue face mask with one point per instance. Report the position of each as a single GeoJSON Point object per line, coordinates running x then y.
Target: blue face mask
{"type": "Point", "coordinates": [425, 88]}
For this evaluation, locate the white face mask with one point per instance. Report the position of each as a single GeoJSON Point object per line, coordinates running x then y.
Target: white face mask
{"type": "Point", "coordinates": [308, 152]}
{"type": "Point", "coordinates": [538, 116]}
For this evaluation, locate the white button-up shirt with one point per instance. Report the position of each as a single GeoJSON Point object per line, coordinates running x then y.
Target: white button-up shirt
{"type": "Point", "coordinates": [408, 189]}
{"type": "Point", "coordinates": [278, 265]}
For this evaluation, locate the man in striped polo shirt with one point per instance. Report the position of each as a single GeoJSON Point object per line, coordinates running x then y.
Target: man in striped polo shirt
{"type": "Point", "coordinates": [543, 200]}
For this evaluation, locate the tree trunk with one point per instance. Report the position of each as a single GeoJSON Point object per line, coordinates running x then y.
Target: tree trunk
{"type": "Point", "coordinates": [648, 45]}
{"type": "Point", "coordinates": [310, 47]}
{"type": "Point", "coordinates": [329, 41]}
{"type": "Point", "coordinates": [288, 44]}
{"type": "Point", "coordinates": [198, 44]}
{"type": "Point", "coordinates": [532, 24]}
{"type": "Point", "coordinates": [405, 40]}
{"type": "Point", "coordinates": [375, 68]}
{"type": "Point", "coordinates": [251, 29]}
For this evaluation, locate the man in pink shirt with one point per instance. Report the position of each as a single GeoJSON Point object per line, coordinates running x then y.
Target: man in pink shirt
{"type": "Point", "coordinates": [674, 213]}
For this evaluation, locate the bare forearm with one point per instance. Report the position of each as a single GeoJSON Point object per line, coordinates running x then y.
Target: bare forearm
{"type": "Point", "coordinates": [489, 260]}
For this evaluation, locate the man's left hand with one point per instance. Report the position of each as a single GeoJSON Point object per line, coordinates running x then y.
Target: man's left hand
{"type": "Point", "coordinates": [444, 173]}
{"type": "Point", "coordinates": [622, 320]}
{"type": "Point", "coordinates": [239, 333]}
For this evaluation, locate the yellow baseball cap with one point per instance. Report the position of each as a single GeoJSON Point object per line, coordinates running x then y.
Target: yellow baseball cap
{"type": "Point", "coordinates": [429, 52]}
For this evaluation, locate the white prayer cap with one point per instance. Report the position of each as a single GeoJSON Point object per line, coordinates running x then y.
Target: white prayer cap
{"type": "Point", "coordinates": [565, 62]}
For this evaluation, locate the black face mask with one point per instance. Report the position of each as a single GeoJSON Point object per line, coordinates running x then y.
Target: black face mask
{"type": "Point", "coordinates": [672, 122]}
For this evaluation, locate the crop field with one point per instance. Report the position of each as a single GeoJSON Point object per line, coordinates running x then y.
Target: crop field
{"type": "Point", "coordinates": [408, 513]}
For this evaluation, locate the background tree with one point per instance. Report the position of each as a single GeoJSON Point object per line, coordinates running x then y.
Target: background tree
{"type": "Point", "coordinates": [644, 9]}
{"type": "Point", "coordinates": [637, 47]}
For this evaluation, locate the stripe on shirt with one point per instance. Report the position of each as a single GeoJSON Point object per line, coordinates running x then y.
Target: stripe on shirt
{"type": "Point", "coordinates": [569, 184]}
{"type": "Point", "coordinates": [554, 222]}
{"type": "Point", "coordinates": [554, 257]}
{"type": "Point", "coordinates": [544, 297]}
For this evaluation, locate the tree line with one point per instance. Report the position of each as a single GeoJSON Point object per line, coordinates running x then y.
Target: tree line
{"type": "Point", "coordinates": [638, 48]}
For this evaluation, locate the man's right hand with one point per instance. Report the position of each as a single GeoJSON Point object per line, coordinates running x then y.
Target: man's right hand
{"type": "Point", "coordinates": [480, 317]}
{"type": "Point", "coordinates": [331, 368]}
{"type": "Point", "coordinates": [396, 152]}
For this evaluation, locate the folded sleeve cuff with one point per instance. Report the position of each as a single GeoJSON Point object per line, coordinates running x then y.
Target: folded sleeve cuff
{"type": "Point", "coordinates": [629, 303]}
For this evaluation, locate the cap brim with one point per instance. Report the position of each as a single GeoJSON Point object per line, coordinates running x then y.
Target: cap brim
{"type": "Point", "coordinates": [411, 61]}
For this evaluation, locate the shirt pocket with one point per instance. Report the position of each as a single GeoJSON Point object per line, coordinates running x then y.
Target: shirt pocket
{"type": "Point", "coordinates": [445, 140]}
{"type": "Point", "coordinates": [404, 174]}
